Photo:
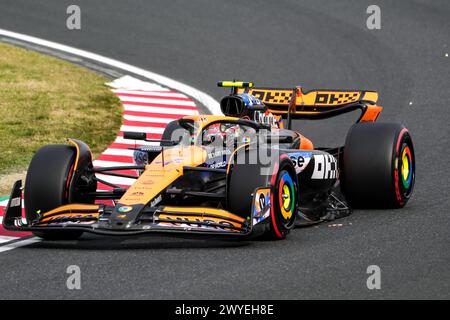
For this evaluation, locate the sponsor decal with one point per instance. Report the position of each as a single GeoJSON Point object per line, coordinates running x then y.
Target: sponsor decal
{"type": "Point", "coordinates": [336, 98]}
{"type": "Point", "coordinates": [325, 167]}
{"type": "Point", "coordinates": [155, 174]}
{"type": "Point", "coordinates": [175, 160]}
{"type": "Point", "coordinates": [15, 202]}
{"type": "Point", "coordinates": [189, 222]}
{"type": "Point", "coordinates": [219, 153]}
{"type": "Point", "coordinates": [261, 205]}
{"type": "Point", "coordinates": [261, 200]}
{"type": "Point", "coordinates": [300, 160]}
{"type": "Point", "coordinates": [146, 182]}
{"type": "Point", "coordinates": [273, 96]}
{"type": "Point", "coordinates": [125, 209]}
{"type": "Point", "coordinates": [63, 218]}
{"type": "Point", "coordinates": [250, 100]}
{"type": "Point", "coordinates": [141, 187]}
{"type": "Point", "coordinates": [140, 157]}
{"type": "Point", "coordinates": [218, 165]}
{"type": "Point", "coordinates": [155, 201]}
{"type": "Point", "coordinates": [266, 118]}
{"type": "Point", "coordinates": [151, 148]}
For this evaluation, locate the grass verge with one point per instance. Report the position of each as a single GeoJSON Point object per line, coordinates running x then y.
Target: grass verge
{"type": "Point", "coordinates": [44, 100]}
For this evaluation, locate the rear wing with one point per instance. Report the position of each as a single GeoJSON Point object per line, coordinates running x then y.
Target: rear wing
{"type": "Point", "coordinates": [314, 104]}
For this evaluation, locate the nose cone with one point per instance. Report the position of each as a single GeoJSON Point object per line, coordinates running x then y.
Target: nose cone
{"type": "Point", "coordinates": [124, 216]}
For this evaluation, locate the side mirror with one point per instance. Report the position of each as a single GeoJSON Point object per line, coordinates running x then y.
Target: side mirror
{"type": "Point", "coordinates": [134, 135]}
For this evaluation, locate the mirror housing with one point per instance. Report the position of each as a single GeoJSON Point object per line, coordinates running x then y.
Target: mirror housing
{"type": "Point", "coordinates": [134, 135]}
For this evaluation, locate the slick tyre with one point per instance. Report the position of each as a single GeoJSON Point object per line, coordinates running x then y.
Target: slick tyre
{"type": "Point", "coordinates": [243, 180]}
{"type": "Point", "coordinates": [378, 169]}
{"type": "Point", "coordinates": [47, 186]}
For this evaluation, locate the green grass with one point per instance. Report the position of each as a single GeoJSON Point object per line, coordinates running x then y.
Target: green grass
{"type": "Point", "coordinates": [45, 100]}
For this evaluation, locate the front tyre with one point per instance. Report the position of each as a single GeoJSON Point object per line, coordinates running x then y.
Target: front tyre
{"type": "Point", "coordinates": [378, 169]}
{"type": "Point", "coordinates": [48, 185]}
{"type": "Point", "coordinates": [278, 175]}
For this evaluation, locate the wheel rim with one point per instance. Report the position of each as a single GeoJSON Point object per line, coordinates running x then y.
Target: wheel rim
{"type": "Point", "coordinates": [286, 196]}
{"type": "Point", "coordinates": [406, 169]}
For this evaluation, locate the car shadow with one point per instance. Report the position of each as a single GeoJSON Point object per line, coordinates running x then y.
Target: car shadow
{"type": "Point", "coordinates": [153, 242]}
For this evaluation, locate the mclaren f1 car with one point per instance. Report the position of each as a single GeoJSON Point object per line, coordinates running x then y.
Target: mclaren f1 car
{"type": "Point", "coordinates": [242, 174]}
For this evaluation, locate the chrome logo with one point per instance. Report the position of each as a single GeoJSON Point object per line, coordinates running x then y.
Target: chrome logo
{"type": "Point", "coordinates": [125, 209]}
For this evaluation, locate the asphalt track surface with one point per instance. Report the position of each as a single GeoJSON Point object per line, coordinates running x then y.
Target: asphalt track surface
{"type": "Point", "coordinates": [318, 44]}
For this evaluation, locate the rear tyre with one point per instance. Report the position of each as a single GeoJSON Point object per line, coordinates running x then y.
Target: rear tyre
{"type": "Point", "coordinates": [47, 186]}
{"type": "Point", "coordinates": [378, 168]}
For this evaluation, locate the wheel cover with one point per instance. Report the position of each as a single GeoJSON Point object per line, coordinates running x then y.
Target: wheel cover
{"type": "Point", "coordinates": [286, 196]}
{"type": "Point", "coordinates": [406, 167]}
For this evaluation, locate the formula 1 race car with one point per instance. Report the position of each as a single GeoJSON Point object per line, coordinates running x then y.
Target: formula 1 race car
{"type": "Point", "coordinates": [244, 174]}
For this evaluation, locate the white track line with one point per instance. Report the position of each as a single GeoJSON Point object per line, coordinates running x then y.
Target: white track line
{"type": "Point", "coordinates": [4, 239]}
{"type": "Point", "coordinates": [205, 99]}
{"type": "Point", "coordinates": [18, 244]}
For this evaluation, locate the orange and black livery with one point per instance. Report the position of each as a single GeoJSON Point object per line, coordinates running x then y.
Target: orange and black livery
{"type": "Point", "coordinates": [243, 174]}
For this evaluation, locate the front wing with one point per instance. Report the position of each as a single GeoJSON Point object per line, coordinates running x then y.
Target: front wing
{"type": "Point", "coordinates": [101, 219]}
